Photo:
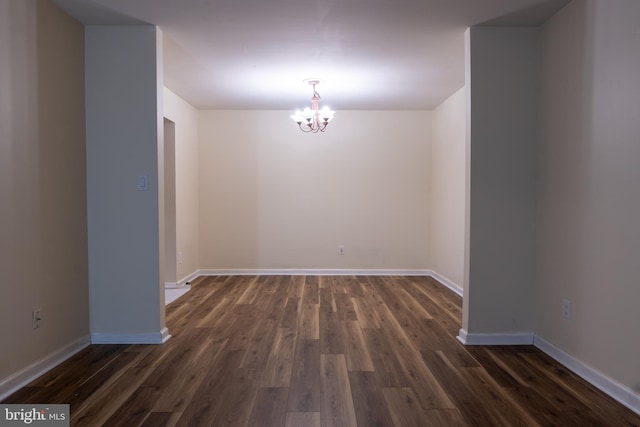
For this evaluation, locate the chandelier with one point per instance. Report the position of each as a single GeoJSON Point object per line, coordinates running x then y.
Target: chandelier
{"type": "Point", "coordinates": [313, 119]}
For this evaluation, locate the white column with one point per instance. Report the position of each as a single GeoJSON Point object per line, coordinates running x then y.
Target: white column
{"type": "Point", "coordinates": [124, 183]}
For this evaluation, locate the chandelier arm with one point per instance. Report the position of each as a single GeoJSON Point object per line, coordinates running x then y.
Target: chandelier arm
{"type": "Point", "coordinates": [302, 128]}
{"type": "Point", "coordinates": [306, 126]}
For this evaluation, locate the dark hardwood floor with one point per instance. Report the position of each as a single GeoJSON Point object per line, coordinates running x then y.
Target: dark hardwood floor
{"type": "Point", "coordinates": [319, 351]}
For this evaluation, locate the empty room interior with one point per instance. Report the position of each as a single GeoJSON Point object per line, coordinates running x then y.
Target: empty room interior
{"type": "Point", "coordinates": [476, 172]}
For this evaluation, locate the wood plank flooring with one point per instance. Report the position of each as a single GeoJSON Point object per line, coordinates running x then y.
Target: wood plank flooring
{"type": "Point", "coordinates": [319, 351]}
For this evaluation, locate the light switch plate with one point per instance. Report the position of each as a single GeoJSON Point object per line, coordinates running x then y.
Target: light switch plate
{"type": "Point", "coordinates": [143, 183]}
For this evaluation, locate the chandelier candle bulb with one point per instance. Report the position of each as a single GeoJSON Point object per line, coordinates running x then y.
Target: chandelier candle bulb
{"type": "Point", "coordinates": [313, 119]}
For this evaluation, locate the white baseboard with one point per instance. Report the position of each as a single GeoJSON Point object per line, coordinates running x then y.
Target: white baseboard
{"type": "Point", "coordinates": [524, 338]}
{"type": "Point", "coordinates": [180, 283]}
{"type": "Point", "coordinates": [448, 283]}
{"type": "Point", "coordinates": [24, 376]}
{"type": "Point", "coordinates": [188, 278]}
{"type": "Point", "coordinates": [312, 272]}
{"type": "Point", "coordinates": [621, 393]}
{"type": "Point", "coordinates": [617, 391]}
{"type": "Point", "coordinates": [144, 338]}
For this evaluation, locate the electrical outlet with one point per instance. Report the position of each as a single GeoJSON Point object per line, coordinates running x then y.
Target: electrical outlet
{"type": "Point", "coordinates": [341, 250]}
{"type": "Point", "coordinates": [179, 257]}
{"type": "Point", "coordinates": [566, 309]}
{"type": "Point", "coordinates": [35, 319]}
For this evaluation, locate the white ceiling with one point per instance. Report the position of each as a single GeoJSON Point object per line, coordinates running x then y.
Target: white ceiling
{"type": "Point", "coordinates": [369, 54]}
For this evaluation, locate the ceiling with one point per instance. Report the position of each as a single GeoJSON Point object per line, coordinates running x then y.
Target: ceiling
{"type": "Point", "coordinates": [368, 54]}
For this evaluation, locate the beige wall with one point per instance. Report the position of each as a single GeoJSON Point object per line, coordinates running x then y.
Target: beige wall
{"type": "Point", "coordinates": [272, 197]}
{"type": "Point", "coordinates": [169, 205]}
{"type": "Point", "coordinates": [447, 179]}
{"type": "Point", "coordinates": [185, 118]}
{"type": "Point", "coordinates": [589, 188]}
{"type": "Point", "coordinates": [43, 236]}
